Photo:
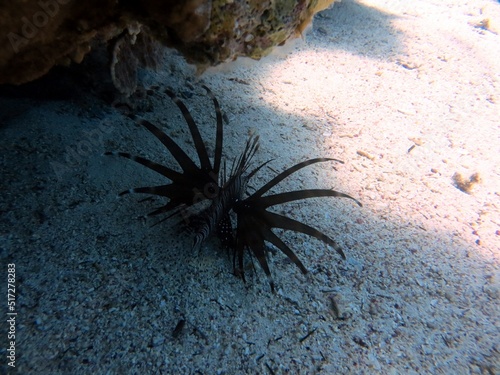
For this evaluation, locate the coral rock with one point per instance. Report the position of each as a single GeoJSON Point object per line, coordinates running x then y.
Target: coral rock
{"type": "Point", "coordinates": [35, 35]}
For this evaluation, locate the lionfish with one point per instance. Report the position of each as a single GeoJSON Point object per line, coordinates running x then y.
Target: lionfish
{"type": "Point", "coordinates": [226, 199]}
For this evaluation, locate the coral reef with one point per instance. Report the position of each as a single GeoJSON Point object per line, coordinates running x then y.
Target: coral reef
{"type": "Point", "coordinates": [37, 35]}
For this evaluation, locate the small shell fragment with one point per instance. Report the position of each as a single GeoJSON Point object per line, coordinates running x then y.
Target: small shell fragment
{"type": "Point", "coordinates": [365, 154]}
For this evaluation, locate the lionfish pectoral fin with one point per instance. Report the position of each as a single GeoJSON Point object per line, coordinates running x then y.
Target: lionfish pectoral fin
{"type": "Point", "coordinates": [178, 153]}
{"type": "Point", "coordinates": [193, 129]}
{"type": "Point", "coordinates": [280, 177]}
{"type": "Point", "coordinates": [290, 196]}
{"type": "Point", "coordinates": [253, 239]}
{"type": "Point", "coordinates": [276, 241]}
{"type": "Point", "coordinates": [283, 222]}
{"type": "Point", "coordinates": [161, 169]}
{"type": "Point", "coordinates": [219, 132]}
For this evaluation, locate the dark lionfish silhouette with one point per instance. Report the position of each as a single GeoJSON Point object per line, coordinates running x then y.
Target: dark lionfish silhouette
{"type": "Point", "coordinates": [226, 196]}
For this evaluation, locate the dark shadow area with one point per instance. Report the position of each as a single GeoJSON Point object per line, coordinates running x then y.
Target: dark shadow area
{"type": "Point", "coordinates": [66, 83]}
{"type": "Point", "coordinates": [61, 84]}
{"type": "Point", "coordinates": [58, 85]}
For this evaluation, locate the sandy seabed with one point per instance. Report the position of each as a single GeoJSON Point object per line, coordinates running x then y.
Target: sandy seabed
{"type": "Point", "coordinates": [405, 93]}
